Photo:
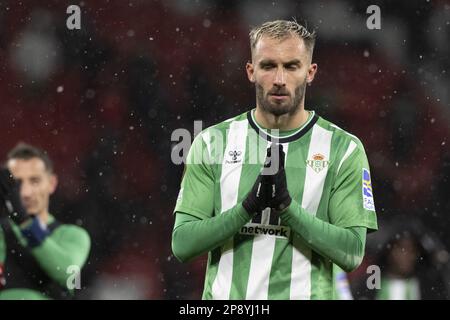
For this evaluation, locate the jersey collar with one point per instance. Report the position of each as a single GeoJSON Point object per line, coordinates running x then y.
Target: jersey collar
{"type": "Point", "coordinates": [292, 137]}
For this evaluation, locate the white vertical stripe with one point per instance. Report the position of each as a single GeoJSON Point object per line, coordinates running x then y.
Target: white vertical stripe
{"type": "Point", "coordinates": [260, 266]}
{"type": "Point", "coordinates": [261, 260]}
{"type": "Point", "coordinates": [222, 283]}
{"type": "Point", "coordinates": [351, 135]}
{"type": "Point", "coordinates": [301, 272]}
{"type": "Point", "coordinates": [397, 290]}
{"type": "Point", "coordinates": [314, 181]}
{"type": "Point", "coordinates": [312, 192]}
{"type": "Point", "coordinates": [350, 149]}
{"type": "Point", "coordinates": [265, 216]}
{"type": "Point", "coordinates": [207, 139]}
{"type": "Point", "coordinates": [229, 187]}
{"type": "Point", "coordinates": [231, 172]}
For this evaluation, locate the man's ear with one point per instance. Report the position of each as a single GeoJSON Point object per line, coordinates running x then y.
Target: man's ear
{"type": "Point", "coordinates": [250, 72]}
{"type": "Point", "coordinates": [311, 72]}
{"type": "Point", "coordinates": [53, 182]}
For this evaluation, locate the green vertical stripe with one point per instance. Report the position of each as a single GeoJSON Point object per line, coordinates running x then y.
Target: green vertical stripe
{"type": "Point", "coordinates": [383, 293]}
{"type": "Point", "coordinates": [211, 272]}
{"type": "Point", "coordinates": [241, 265]}
{"type": "Point", "coordinates": [408, 290]}
{"type": "Point", "coordinates": [305, 143]}
{"type": "Point", "coordinates": [214, 256]}
{"type": "Point", "coordinates": [280, 279]}
{"type": "Point", "coordinates": [322, 270]}
{"type": "Point", "coordinates": [321, 278]}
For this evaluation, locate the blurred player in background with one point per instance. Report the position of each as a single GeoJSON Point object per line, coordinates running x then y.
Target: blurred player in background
{"type": "Point", "coordinates": [275, 227]}
{"type": "Point", "coordinates": [414, 263]}
{"type": "Point", "coordinates": [38, 254]}
{"type": "Point", "coordinates": [400, 281]}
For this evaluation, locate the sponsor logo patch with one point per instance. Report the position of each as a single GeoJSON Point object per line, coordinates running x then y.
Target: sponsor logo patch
{"type": "Point", "coordinates": [367, 192]}
{"type": "Point", "coordinates": [256, 229]}
{"type": "Point", "coordinates": [234, 157]}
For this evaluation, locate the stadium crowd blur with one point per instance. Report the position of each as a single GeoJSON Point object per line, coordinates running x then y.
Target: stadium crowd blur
{"type": "Point", "coordinates": [104, 100]}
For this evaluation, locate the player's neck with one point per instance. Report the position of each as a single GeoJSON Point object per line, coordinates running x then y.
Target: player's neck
{"type": "Point", "coordinates": [43, 217]}
{"type": "Point", "coordinates": [284, 122]}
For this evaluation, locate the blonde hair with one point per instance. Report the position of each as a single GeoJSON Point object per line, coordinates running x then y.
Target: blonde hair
{"type": "Point", "coordinates": [280, 29]}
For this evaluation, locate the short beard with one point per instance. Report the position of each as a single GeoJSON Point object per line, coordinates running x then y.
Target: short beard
{"type": "Point", "coordinates": [279, 110]}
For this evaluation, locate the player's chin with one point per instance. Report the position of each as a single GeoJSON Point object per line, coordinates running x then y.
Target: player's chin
{"type": "Point", "coordinates": [279, 108]}
{"type": "Point", "coordinates": [31, 210]}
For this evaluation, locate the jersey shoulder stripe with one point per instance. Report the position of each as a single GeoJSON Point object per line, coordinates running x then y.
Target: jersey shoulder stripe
{"type": "Point", "coordinates": [225, 125]}
{"type": "Point", "coordinates": [342, 135]}
{"type": "Point", "coordinates": [346, 142]}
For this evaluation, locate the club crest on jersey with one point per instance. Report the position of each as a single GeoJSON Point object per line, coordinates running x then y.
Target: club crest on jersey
{"type": "Point", "coordinates": [367, 192]}
{"type": "Point", "coordinates": [234, 157]}
{"type": "Point", "coordinates": [318, 162]}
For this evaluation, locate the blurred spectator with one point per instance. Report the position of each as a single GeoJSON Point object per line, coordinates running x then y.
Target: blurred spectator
{"type": "Point", "coordinates": [400, 281]}
{"type": "Point", "coordinates": [36, 53]}
{"type": "Point", "coordinates": [413, 261]}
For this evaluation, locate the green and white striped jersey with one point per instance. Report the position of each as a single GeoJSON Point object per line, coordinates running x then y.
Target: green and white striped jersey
{"type": "Point", "coordinates": [327, 173]}
{"type": "Point", "coordinates": [399, 289]}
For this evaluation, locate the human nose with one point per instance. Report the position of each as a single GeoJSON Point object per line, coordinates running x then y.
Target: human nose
{"type": "Point", "coordinates": [25, 190]}
{"type": "Point", "coordinates": [280, 79]}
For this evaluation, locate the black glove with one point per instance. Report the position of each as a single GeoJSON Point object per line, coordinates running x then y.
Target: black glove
{"type": "Point", "coordinates": [279, 198]}
{"type": "Point", "coordinates": [257, 198]}
{"type": "Point", "coordinates": [10, 197]}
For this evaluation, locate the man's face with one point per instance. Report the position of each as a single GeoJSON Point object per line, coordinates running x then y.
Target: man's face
{"type": "Point", "coordinates": [403, 257]}
{"type": "Point", "coordinates": [280, 70]}
{"type": "Point", "coordinates": [37, 184]}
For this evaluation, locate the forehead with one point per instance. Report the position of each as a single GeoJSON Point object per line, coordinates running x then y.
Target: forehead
{"type": "Point", "coordinates": [30, 166]}
{"type": "Point", "coordinates": [283, 49]}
